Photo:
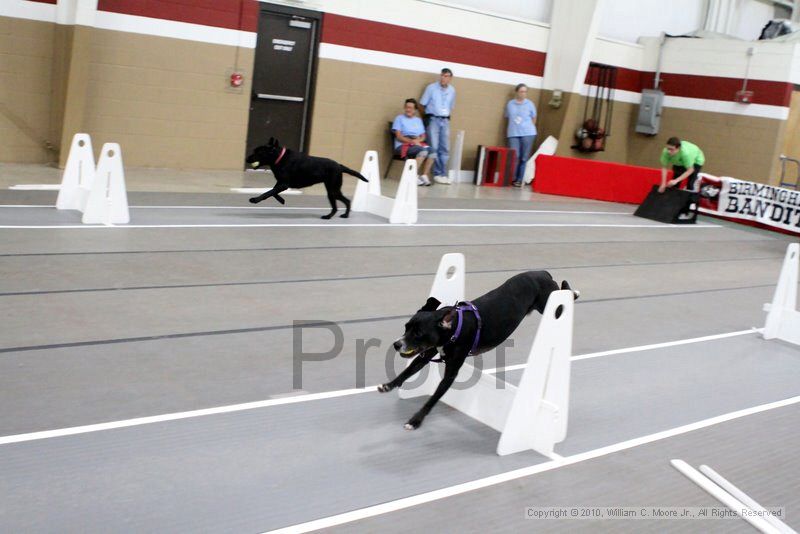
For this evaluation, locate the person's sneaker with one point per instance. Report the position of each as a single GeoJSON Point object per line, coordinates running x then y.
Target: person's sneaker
{"type": "Point", "coordinates": [425, 180]}
{"type": "Point", "coordinates": [441, 180]}
{"type": "Point", "coordinates": [516, 184]}
{"type": "Point", "coordinates": [420, 181]}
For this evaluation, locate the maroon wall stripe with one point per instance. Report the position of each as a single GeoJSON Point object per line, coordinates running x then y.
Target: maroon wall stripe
{"type": "Point", "coordinates": [369, 35]}
{"type": "Point", "coordinates": [704, 87]}
{"type": "Point", "coordinates": [230, 14]}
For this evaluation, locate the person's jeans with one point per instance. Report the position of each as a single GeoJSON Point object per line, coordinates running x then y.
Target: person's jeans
{"type": "Point", "coordinates": [439, 139]}
{"type": "Point", "coordinates": [522, 146]}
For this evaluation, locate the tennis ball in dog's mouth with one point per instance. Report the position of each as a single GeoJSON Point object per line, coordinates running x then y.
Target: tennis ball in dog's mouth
{"type": "Point", "coordinates": [255, 164]}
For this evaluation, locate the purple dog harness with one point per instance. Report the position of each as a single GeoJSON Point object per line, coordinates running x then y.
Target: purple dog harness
{"type": "Point", "coordinates": [460, 308]}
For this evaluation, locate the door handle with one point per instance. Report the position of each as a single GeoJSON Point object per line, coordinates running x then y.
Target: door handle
{"type": "Point", "coordinates": [264, 96]}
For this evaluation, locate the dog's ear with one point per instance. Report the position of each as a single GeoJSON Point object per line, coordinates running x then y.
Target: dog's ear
{"type": "Point", "coordinates": [271, 141]}
{"type": "Point", "coordinates": [446, 321]}
{"type": "Point", "coordinates": [277, 143]}
{"type": "Point", "coordinates": [430, 305]}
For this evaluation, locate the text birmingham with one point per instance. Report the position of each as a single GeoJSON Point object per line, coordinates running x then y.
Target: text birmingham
{"type": "Point", "coordinates": [756, 200]}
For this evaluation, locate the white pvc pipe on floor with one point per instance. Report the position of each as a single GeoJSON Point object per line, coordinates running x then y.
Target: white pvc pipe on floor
{"type": "Point", "coordinates": [746, 499]}
{"type": "Point", "coordinates": [722, 496]}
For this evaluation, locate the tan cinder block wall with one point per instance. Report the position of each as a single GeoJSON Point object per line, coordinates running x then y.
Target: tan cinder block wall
{"type": "Point", "coordinates": [734, 145]}
{"type": "Point", "coordinates": [791, 139]}
{"type": "Point", "coordinates": [355, 102]}
{"type": "Point", "coordinates": [26, 56]}
{"type": "Point", "coordinates": [166, 101]}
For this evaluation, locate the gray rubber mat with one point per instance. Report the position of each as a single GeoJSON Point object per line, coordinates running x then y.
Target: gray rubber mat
{"type": "Point", "coordinates": [49, 216]}
{"type": "Point", "coordinates": [756, 453]}
{"type": "Point", "coordinates": [276, 466]}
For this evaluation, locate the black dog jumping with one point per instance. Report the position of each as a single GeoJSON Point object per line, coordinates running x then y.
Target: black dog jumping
{"type": "Point", "coordinates": [468, 329]}
{"type": "Point", "coordinates": [295, 169]}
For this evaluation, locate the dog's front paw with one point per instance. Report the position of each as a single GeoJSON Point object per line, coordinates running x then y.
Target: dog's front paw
{"type": "Point", "coordinates": [326, 217]}
{"type": "Point", "coordinates": [254, 200]}
{"type": "Point", "coordinates": [413, 423]}
{"type": "Point", "coordinates": [385, 388]}
{"type": "Point", "coordinates": [344, 215]}
{"type": "Point", "coordinates": [280, 199]}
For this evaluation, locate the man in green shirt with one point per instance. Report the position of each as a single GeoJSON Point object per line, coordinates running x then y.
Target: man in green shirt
{"type": "Point", "coordinates": [686, 159]}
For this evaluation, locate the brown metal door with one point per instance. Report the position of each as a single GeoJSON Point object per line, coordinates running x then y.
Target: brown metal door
{"type": "Point", "coordinates": [282, 78]}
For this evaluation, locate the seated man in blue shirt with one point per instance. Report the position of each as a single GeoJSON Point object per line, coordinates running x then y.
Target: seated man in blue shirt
{"type": "Point", "coordinates": [438, 101]}
{"type": "Point", "coordinates": [409, 133]}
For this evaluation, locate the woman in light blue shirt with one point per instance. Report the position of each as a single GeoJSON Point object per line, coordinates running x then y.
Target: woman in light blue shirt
{"type": "Point", "coordinates": [521, 132]}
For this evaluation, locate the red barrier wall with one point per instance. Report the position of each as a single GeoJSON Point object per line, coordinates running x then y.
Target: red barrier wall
{"type": "Point", "coordinates": [599, 180]}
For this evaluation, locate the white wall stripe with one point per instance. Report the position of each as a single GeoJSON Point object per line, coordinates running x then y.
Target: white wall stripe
{"type": "Point", "coordinates": [173, 29]}
{"type": "Point", "coordinates": [732, 108]}
{"type": "Point", "coordinates": [700, 104]}
{"type": "Point", "coordinates": [419, 64]}
{"type": "Point", "coordinates": [22, 9]}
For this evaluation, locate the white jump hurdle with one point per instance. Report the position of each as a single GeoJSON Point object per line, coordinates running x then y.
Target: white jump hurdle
{"type": "Point", "coordinates": [78, 177]}
{"type": "Point", "coordinates": [108, 199]}
{"type": "Point", "coordinates": [400, 210]}
{"type": "Point", "coordinates": [783, 319]}
{"type": "Point", "coordinates": [532, 415]}
{"type": "Point", "coordinates": [99, 193]}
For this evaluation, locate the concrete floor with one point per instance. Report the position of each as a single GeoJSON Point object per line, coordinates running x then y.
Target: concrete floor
{"type": "Point", "coordinates": [193, 305]}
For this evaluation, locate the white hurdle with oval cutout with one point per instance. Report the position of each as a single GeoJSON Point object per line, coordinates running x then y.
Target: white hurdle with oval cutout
{"type": "Point", "coordinates": [532, 415]}
{"type": "Point", "coordinates": [783, 319]}
{"type": "Point", "coordinates": [108, 199]}
{"type": "Point", "coordinates": [99, 193]}
{"type": "Point", "coordinates": [78, 176]}
{"type": "Point", "coordinates": [400, 210]}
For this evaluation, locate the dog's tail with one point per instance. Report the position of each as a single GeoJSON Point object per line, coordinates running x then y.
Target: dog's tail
{"type": "Point", "coordinates": [351, 172]}
{"type": "Point", "coordinates": [575, 292]}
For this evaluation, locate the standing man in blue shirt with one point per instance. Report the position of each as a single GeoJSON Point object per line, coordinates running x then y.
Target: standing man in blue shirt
{"type": "Point", "coordinates": [438, 101]}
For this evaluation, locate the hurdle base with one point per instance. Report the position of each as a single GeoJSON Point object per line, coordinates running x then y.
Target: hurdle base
{"type": "Point", "coordinates": [399, 210]}
{"type": "Point", "coordinates": [783, 319]}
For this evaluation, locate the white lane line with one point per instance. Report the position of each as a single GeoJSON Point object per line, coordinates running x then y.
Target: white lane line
{"type": "Point", "coordinates": [477, 210]}
{"type": "Point", "coordinates": [36, 187]}
{"type": "Point", "coordinates": [251, 190]}
{"type": "Point", "coordinates": [279, 208]}
{"type": "Point", "coordinates": [423, 498]}
{"type": "Point", "coordinates": [374, 225]}
{"type": "Point", "coordinates": [69, 431]}
{"type": "Point", "coordinates": [639, 348]}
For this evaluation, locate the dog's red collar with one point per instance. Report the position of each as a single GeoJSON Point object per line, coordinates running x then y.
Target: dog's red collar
{"type": "Point", "coordinates": [283, 151]}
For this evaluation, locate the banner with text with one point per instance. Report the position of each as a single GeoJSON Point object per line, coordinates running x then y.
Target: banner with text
{"type": "Point", "coordinates": [766, 204]}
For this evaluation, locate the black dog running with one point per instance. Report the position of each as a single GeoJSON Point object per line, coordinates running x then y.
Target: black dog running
{"type": "Point", "coordinates": [297, 170]}
{"type": "Point", "coordinates": [468, 329]}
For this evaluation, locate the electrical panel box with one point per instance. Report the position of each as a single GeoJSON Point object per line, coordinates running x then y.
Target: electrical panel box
{"type": "Point", "coordinates": [649, 118]}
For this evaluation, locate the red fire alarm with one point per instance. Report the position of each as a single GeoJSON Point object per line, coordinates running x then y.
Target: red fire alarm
{"type": "Point", "coordinates": [237, 79]}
